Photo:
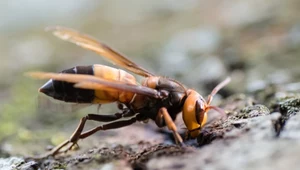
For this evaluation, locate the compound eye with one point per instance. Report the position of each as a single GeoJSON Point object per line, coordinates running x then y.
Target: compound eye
{"type": "Point", "coordinates": [199, 109]}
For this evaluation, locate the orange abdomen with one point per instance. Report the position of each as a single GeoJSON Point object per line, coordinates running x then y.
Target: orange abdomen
{"type": "Point", "coordinates": [110, 73]}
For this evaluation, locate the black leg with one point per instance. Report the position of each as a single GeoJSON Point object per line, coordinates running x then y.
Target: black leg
{"type": "Point", "coordinates": [99, 118]}
{"type": "Point", "coordinates": [77, 134]}
{"type": "Point", "coordinates": [113, 125]}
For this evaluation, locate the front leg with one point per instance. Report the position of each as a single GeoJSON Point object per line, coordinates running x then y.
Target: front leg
{"type": "Point", "coordinates": [164, 117]}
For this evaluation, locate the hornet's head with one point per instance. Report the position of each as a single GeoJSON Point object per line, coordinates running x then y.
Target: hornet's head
{"type": "Point", "coordinates": [195, 109]}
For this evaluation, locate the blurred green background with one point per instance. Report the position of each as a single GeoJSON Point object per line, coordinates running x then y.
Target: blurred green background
{"type": "Point", "coordinates": [197, 42]}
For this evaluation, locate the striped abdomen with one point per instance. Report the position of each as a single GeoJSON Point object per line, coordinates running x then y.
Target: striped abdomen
{"type": "Point", "coordinates": [65, 91]}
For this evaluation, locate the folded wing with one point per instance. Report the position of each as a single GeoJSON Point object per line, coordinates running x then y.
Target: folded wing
{"type": "Point", "coordinates": [103, 50]}
{"type": "Point", "coordinates": [94, 83]}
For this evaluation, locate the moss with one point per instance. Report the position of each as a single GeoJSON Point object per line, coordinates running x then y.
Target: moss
{"type": "Point", "coordinates": [20, 107]}
{"type": "Point", "coordinates": [254, 111]}
{"type": "Point", "coordinates": [287, 106]}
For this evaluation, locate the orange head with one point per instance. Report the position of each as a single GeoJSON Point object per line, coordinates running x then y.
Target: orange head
{"type": "Point", "coordinates": [195, 109]}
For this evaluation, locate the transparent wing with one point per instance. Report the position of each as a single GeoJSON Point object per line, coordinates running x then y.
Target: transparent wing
{"type": "Point", "coordinates": [103, 50]}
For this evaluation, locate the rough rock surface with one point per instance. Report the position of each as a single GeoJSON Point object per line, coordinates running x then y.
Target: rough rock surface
{"type": "Point", "coordinates": [252, 136]}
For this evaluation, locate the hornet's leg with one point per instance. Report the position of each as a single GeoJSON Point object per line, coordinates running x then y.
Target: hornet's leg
{"type": "Point", "coordinates": [163, 113]}
{"type": "Point", "coordinates": [113, 125]}
{"type": "Point", "coordinates": [99, 118]}
{"type": "Point", "coordinates": [77, 134]}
